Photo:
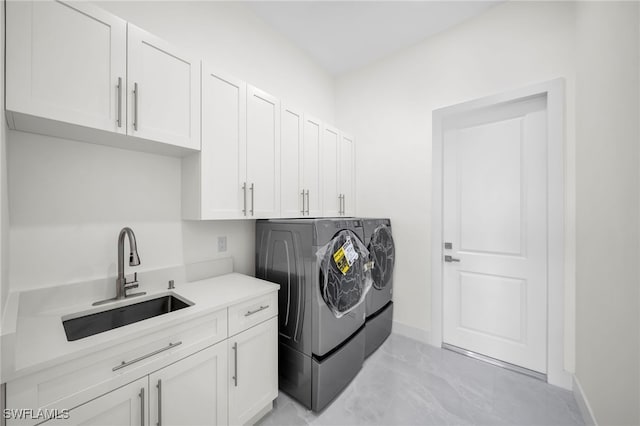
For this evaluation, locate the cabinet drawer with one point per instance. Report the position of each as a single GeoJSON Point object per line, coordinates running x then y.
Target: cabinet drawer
{"type": "Point", "coordinates": [73, 383]}
{"type": "Point", "coordinates": [252, 312]}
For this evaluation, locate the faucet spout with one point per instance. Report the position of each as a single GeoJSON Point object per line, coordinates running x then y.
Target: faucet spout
{"type": "Point", "coordinates": [134, 259]}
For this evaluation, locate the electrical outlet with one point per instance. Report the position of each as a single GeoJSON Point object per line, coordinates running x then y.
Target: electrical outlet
{"type": "Point", "coordinates": [222, 244]}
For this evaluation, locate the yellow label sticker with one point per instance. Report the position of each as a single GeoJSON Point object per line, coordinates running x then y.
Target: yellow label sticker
{"type": "Point", "coordinates": [340, 258]}
{"type": "Point", "coordinates": [345, 256]}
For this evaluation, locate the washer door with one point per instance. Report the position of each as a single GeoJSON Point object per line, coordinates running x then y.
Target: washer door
{"type": "Point", "coordinates": [344, 280]}
{"type": "Point", "coordinates": [383, 254]}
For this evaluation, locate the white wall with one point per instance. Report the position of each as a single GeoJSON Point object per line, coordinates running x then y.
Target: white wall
{"type": "Point", "coordinates": [68, 200]}
{"type": "Point", "coordinates": [607, 117]}
{"type": "Point", "coordinates": [388, 105]}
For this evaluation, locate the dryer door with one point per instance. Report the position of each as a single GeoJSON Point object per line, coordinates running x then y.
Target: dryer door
{"type": "Point", "coordinates": [383, 254]}
{"type": "Point", "coordinates": [345, 275]}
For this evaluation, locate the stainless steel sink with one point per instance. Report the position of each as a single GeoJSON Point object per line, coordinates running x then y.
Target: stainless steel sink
{"type": "Point", "coordinates": [98, 322]}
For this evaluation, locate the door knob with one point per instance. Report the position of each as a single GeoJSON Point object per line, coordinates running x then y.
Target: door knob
{"type": "Point", "coordinates": [448, 258]}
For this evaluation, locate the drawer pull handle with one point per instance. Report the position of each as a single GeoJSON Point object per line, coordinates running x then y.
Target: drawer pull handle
{"type": "Point", "coordinates": [235, 364]}
{"type": "Point", "coordinates": [133, 361]}
{"type": "Point", "coordinates": [159, 386]}
{"type": "Point", "coordinates": [141, 395]}
{"type": "Point", "coordinates": [261, 308]}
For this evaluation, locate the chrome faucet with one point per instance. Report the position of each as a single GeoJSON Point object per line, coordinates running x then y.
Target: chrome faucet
{"type": "Point", "coordinates": [122, 286]}
{"type": "Point", "coordinates": [134, 260]}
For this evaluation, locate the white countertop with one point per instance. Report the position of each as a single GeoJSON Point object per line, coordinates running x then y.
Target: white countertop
{"type": "Point", "coordinates": [38, 339]}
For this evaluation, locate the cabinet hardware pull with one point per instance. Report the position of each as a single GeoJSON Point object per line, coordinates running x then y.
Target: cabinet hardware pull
{"type": "Point", "coordinates": [448, 258]}
{"type": "Point", "coordinates": [159, 386]}
{"type": "Point", "coordinates": [235, 364]}
{"type": "Point", "coordinates": [307, 202]}
{"type": "Point", "coordinates": [339, 204]}
{"type": "Point", "coordinates": [344, 204]}
{"type": "Point", "coordinates": [252, 191]}
{"type": "Point", "coordinates": [135, 106]}
{"type": "Point", "coordinates": [119, 121]}
{"type": "Point", "coordinates": [140, 358]}
{"type": "Point", "coordinates": [261, 308]}
{"type": "Point", "coordinates": [302, 193]}
{"type": "Point", "coordinates": [141, 395]}
{"type": "Point", "coordinates": [244, 198]}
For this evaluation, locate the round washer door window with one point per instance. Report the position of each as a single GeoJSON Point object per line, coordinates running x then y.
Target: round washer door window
{"type": "Point", "coordinates": [383, 253]}
{"type": "Point", "coordinates": [343, 284]}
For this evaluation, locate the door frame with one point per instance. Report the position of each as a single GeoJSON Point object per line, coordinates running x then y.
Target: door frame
{"type": "Point", "coordinates": [554, 91]}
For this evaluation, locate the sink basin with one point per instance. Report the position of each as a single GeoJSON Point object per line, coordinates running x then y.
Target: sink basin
{"type": "Point", "coordinates": [88, 325]}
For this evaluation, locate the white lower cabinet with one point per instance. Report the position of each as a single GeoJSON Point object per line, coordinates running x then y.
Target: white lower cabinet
{"type": "Point", "coordinates": [192, 391]}
{"type": "Point", "coordinates": [253, 371]}
{"type": "Point", "coordinates": [125, 406]}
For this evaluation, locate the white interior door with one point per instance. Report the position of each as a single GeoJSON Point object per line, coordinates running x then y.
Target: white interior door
{"type": "Point", "coordinates": [495, 218]}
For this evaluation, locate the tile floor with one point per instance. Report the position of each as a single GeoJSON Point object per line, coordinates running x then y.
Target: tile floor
{"type": "Point", "coordinates": [411, 383]}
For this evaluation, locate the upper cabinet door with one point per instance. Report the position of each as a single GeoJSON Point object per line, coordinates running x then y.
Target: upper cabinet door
{"type": "Point", "coordinates": [292, 195]}
{"type": "Point", "coordinates": [65, 61]}
{"type": "Point", "coordinates": [347, 174]}
{"type": "Point", "coordinates": [311, 169]}
{"type": "Point", "coordinates": [222, 162]}
{"type": "Point", "coordinates": [163, 90]}
{"type": "Point", "coordinates": [263, 154]}
{"type": "Point", "coordinates": [330, 172]}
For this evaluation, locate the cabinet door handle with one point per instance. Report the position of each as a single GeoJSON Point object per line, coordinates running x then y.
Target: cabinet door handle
{"type": "Point", "coordinates": [141, 395]}
{"type": "Point", "coordinates": [140, 358]}
{"type": "Point", "coordinates": [252, 191]}
{"type": "Point", "coordinates": [261, 308]}
{"type": "Point", "coordinates": [119, 120]}
{"type": "Point", "coordinates": [235, 364]}
{"type": "Point", "coordinates": [244, 198]}
{"type": "Point", "coordinates": [159, 386]}
{"type": "Point", "coordinates": [135, 106]}
{"type": "Point", "coordinates": [307, 202]}
{"type": "Point", "coordinates": [302, 193]}
{"type": "Point", "coordinates": [344, 205]}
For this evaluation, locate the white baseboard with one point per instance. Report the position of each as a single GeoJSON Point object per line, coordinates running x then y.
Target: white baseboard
{"type": "Point", "coordinates": [583, 404]}
{"type": "Point", "coordinates": [411, 332]}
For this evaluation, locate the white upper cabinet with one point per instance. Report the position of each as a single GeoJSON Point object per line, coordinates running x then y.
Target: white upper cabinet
{"type": "Point", "coordinates": [338, 173]}
{"type": "Point", "coordinates": [263, 154]}
{"type": "Point", "coordinates": [163, 91]}
{"type": "Point", "coordinates": [66, 62]}
{"type": "Point", "coordinates": [331, 198]}
{"type": "Point", "coordinates": [347, 175]}
{"type": "Point", "coordinates": [292, 195]}
{"type": "Point", "coordinates": [311, 165]}
{"type": "Point", "coordinates": [212, 180]}
{"type": "Point", "coordinates": [77, 72]}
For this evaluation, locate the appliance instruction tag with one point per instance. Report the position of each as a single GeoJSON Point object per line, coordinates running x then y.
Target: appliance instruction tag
{"type": "Point", "coordinates": [345, 256]}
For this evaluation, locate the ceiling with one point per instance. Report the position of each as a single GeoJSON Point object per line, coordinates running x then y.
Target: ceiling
{"type": "Point", "coordinates": [345, 35]}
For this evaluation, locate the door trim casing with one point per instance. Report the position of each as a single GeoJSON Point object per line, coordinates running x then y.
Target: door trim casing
{"type": "Point", "coordinates": [554, 91]}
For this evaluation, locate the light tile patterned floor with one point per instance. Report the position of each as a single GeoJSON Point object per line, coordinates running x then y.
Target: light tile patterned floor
{"type": "Point", "coordinates": [411, 383]}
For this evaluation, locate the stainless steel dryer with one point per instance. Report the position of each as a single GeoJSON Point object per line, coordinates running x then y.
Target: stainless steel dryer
{"type": "Point", "coordinates": [321, 308]}
{"type": "Point", "coordinates": [379, 304]}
